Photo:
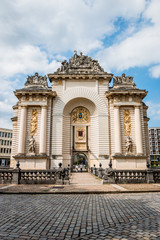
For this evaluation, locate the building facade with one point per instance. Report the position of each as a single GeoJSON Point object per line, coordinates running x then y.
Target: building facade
{"type": "Point", "coordinates": [5, 147]}
{"type": "Point", "coordinates": [80, 118]}
{"type": "Point", "coordinates": [154, 143]}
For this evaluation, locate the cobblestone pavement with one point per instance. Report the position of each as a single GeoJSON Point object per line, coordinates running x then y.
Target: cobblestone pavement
{"type": "Point", "coordinates": [78, 216]}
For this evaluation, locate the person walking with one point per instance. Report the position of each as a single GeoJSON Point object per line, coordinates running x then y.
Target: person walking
{"type": "Point", "coordinates": [76, 168]}
{"type": "Point", "coordinates": [81, 167]}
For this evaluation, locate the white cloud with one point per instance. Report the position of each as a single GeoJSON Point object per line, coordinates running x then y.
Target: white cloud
{"type": "Point", "coordinates": [25, 59]}
{"type": "Point", "coordinates": [155, 71]}
{"type": "Point", "coordinates": [153, 110]}
{"type": "Point", "coordinates": [140, 48]}
{"type": "Point", "coordinates": [35, 34]}
{"type": "Point", "coordinates": [7, 100]}
{"type": "Point", "coordinates": [63, 25]}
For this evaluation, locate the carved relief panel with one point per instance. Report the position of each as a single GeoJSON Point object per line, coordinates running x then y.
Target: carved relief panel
{"type": "Point", "coordinates": [34, 121]}
{"type": "Point", "coordinates": [127, 122]}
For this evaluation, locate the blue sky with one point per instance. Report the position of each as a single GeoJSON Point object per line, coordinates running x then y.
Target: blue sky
{"type": "Point", "coordinates": [123, 35]}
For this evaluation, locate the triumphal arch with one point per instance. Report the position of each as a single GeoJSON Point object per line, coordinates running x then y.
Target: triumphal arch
{"type": "Point", "coordinates": [82, 117]}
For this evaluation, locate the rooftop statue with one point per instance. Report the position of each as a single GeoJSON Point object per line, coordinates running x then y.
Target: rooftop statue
{"type": "Point", "coordinates": [80, 64]}
{"type": "Point", "coordinates": [36, 81]}
{"type": "Point", "coordinates": [123, 81]}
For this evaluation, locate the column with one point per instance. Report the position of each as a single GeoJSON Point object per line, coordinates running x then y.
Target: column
{"type": "Point", "coordinates": [138, 131]}
{"type": "Point", "coordinates": [117, 130]}
{"type": "Point", "coordinates": [43, 129]}
{"type": "Point", "coordinates": [22, 131]}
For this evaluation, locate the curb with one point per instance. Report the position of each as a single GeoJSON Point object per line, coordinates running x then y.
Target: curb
{"type": "Point", "coordinates": [85, 193]}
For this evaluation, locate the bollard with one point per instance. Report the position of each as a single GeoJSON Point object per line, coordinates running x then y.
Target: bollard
{"type": "Point", "coordinates": [69, 169]}
{"type": "Point", "coordinates": [110, 164]}
{"type": "Point", "coordinates": [16, 174]}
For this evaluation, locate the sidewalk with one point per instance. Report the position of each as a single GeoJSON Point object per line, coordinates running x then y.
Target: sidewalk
{"type": "Point", "coordinates": [80, 183]}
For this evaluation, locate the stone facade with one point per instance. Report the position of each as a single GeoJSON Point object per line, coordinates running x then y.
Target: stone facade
{"type": "Point", "coordinates": [80, 117]}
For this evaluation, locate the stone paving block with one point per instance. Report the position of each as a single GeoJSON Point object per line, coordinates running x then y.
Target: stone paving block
{"type": "Point", "coordinates": [125, 216]}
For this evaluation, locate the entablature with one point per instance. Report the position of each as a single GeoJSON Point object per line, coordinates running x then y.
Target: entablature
{"type": "Point", "coordinates": [58, 77]}
{"type": "Point", "coordinates": [30, 92]}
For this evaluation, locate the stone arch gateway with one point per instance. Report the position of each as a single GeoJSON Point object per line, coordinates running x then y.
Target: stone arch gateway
{"type": "Point", "coordinates": [81, 113]}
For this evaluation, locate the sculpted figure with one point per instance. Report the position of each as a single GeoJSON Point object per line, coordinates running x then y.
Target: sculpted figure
{"type": "Point", "coordinates": [128, 145]}
{"type": "Point", "coordinates": [34, 119]}
{"type": "Point", "coordinates": [32, 143]}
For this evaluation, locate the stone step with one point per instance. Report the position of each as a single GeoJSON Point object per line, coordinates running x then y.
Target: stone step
{"type": "Point", "coordinates": [84, 178]}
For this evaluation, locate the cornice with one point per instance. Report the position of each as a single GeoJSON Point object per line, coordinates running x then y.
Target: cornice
{"type": "Point", "coordinates": [14, 119]}
{"type": "Point", "coordinates": [22, 92]}
{"type": "Point", "coordinates": [112, 93]}
{"type": "Point", "coordinates": [54, 77]}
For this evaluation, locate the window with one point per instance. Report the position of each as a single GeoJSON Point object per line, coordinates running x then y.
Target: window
{"type": "Point", "coordinates": [5, 134]}
{"type": "Point", "coordinates": [11, 135]}
{"type": "Point", "coordinates": [10, 143]}
{"type": "Point", "coordinates": [8, 135]}
{"type": "Point", "coordinates": [7, 142]}
{"type": "Point", "coordinates": [80, 133]}
{"type": "Point", "coordinates": [2, 142]}
{"type": "Point", "coordinates": [2, 134]}
{"type": "Point", "coordinates": [1, 150]}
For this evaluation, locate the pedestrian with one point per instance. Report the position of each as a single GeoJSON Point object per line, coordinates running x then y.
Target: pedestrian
{"type": "Point", "coordinates": [76, 168]}
{"type": "Point", "coordinates": [81, 167]}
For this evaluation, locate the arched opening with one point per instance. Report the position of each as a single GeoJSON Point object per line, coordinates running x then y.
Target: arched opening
{"type": "Point", "coordinates": [80, 130]}
{"type": "Point", "coordinates": [80, 159]}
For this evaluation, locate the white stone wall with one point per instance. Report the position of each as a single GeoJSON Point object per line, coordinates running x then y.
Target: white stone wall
{"type": "Point", "coordinates": [80, 93]}
{"type": "Point", "coordinates": [143, 130]}
{"type": "Point", "coordinates": [49, 127]}
{"type": "Point", "coordinates": [112, 129]}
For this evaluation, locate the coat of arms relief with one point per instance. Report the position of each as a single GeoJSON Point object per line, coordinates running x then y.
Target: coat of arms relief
{"type": "Point", "coordinates": [80, 115]}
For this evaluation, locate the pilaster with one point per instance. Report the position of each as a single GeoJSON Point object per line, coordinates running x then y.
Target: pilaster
{"type": "Point", "coordinates": [117, 131]}
{"type": "Point", "coordinates": [22, 131]}
{"type": "Point", "coordinates": [138, 131]}
{"type": "Point", "coordinates": [42, 148]}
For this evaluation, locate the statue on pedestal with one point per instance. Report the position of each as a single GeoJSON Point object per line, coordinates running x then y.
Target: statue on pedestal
{"type": "Point", "coordinates": [31, 147]}
{"type": "Point", "coordinates": [128, 145]}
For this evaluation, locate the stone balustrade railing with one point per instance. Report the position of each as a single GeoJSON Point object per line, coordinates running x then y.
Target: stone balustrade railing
{"type": "Point", "coordinates": [18, 176]}
{"type": "Point", "coordinates": [110, 175]}
{"type": "Point", "coordinates": [61, 175]}
{"type": "Point", "coordinates": [38, 176]}
{"type": "Point", "coordinates": [6, 176]}
{"type": "Point", "coordinates": [130, 176]}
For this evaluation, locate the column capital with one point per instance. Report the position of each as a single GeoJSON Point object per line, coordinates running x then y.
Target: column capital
{"type": "Point", "coordinates": [44, 107]}
{"type": "Point", "coordinates": [117, 106]}
{"type": "Point", "coordinates": [23, 107]}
